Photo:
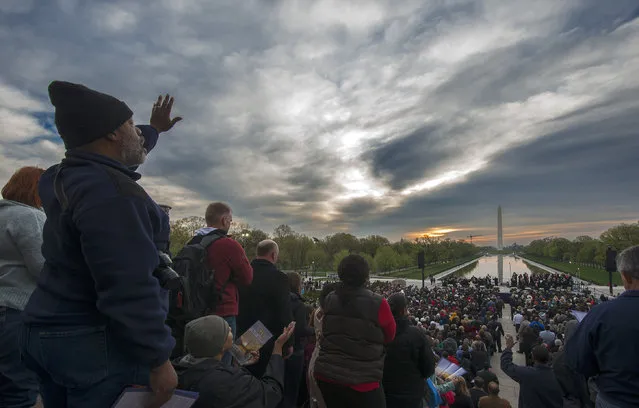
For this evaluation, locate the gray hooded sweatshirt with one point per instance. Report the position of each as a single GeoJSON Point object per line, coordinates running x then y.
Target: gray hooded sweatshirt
{"type": "Point", "coordinates": [20, 252]}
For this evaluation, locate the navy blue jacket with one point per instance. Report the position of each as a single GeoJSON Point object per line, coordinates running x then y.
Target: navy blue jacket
{"type": "Point", "coordinates": [538, 386]}
{"type": "Point", "coordinates": [605, 345]}
{"type": "Point", "coordinates": [100, 255]}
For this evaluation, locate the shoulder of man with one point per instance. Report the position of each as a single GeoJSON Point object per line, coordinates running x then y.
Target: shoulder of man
{"type": "Point", "coordinates": [89, 184]}
{"type": "Point", "coordinates": [226, 244]}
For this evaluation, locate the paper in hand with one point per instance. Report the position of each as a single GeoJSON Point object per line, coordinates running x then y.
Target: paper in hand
{"type": "Point", "coordinates": [140, 397]}
{"type": "Point", "coordinates": [252, 340]}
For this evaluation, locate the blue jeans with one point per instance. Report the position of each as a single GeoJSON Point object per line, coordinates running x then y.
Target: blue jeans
{"type": "Point", "coordinates": [79, 366]}
{"type": "Point", "coordinates": [18, 385]}
{"type": "Point", "coordinates": [227, 358]}
{"type": "Point", "coordinates": [604, 403]}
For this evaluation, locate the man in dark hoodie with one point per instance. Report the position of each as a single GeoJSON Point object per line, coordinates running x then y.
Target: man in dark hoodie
{"type": "Point", "coordinates": [96, 320]}
{"type": "Point", "coordinates": [409, 360]}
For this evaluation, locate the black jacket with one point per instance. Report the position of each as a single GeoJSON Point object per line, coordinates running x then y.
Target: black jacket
{"type": "Point", "coordinates": [223, 386]}
{"type": "Point", "coordinates": [538, 386]}
{"type": "Point", "coordinates": [476, 394]}
{"type": "Point", "coordinates": [300, 315]}
{"type": "Point", "coordinates": [572, 383]}
{"type": "Point", "coordinates": [409, 361]}
{"type": "Point", "coordinates": [100, 252]}
{"type": "Point", "coordinates": [266, 299]}
{"type": "Point", "coordinates": [496, 330]}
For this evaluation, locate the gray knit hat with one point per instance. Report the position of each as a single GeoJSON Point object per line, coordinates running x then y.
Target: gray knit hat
{"type": "Point", "coordinates": [205, 337]}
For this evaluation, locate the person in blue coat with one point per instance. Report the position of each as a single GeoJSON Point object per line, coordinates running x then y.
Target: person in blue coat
{"type": "Point", "coordinates": [604, 346]}
{"type": "Point", "coordinates": [96, 321]}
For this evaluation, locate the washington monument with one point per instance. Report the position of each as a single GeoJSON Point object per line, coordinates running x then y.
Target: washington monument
{"type": "Point", "coordinates": [500, 232]}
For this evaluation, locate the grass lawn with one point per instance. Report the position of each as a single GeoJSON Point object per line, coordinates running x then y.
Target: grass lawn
{"type": "Point", "coordinates": [416, 273]}
{"type": "Point", "coordinates": [597, 276]}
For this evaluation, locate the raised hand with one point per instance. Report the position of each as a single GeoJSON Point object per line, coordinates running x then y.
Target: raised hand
{"type": "Point", "coordinates": [161, 114]}
{"type": "Point", "coordinates": [286, 334]}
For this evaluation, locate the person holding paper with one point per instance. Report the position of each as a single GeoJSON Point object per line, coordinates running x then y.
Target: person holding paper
{"type": "Point", "coordinates": [220, 385]}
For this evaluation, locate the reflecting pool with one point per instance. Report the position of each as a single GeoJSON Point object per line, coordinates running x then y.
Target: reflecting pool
{"type": "Point", "coordinates": [501, 266]}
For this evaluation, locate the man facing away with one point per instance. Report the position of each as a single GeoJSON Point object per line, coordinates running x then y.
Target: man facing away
{"type": "Point", "coordinates": [517, 319]}
{"type": "Point", "coordinates": [267, 299]}
{"type": "Point", "coordinates": [538, 386]}
{"type": "Point", "coordinates": [227, 258]}
{"type": "Point", "coordinates": [493, 400]}
{"type": "Point", "coordinates": [96, 321]}
{"type": "Point", "coordinates": [478, 390]}
{"type": "Point", "coordinates": [605, 342]}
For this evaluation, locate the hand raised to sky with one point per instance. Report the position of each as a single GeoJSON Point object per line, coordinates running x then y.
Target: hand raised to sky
{"type": "Point", "coordinates": [161, 114]}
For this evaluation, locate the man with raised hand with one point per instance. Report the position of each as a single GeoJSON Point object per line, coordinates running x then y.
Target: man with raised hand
{"type": "Point", "coordinates": [96, 321]}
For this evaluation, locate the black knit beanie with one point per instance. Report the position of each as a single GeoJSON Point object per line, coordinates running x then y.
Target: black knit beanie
{"type": "Point", "coordinates": [83, 115]}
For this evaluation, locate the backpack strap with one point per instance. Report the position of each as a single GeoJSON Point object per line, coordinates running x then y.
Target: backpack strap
{"type": "Point", "coordinates": [208, 239]}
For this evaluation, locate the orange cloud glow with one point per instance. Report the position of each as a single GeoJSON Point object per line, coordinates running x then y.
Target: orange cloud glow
{"type": "Point", "coordinates": [435, 232]}
{"type": "Point", "coordinates": [523, 234]}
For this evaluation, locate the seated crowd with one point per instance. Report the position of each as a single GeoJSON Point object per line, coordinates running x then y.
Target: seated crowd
{"type": "Point", "coordinates": [90, 304]}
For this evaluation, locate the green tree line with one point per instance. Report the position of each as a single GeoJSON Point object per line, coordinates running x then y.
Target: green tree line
{"type": "Point", "coordinates": [301, 252]}
{"type": "Point", "coordinates": [584, 249]}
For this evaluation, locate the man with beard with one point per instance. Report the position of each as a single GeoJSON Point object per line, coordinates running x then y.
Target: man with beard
{"type": "Point", "coordinates": [96, 321]}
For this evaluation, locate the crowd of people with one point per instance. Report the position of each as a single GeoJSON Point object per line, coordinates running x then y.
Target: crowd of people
{"type": "Point", "coordinates": [90, 304]}
{"type": "Point", "coordinates": [546, 281]}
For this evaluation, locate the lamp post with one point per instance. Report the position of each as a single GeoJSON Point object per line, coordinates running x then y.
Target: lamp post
{"type": "Point", "coordinates": [245, 236]}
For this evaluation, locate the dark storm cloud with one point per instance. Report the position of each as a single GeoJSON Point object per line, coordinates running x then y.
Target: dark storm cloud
{"type": "Point", "coordinates": [360, 208]}
{"type": "Point", "coordinates": [403, 160]}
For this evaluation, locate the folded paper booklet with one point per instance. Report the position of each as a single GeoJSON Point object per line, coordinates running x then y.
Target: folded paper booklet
{"type": "Point", "coordinates": [140, 397]}
{"type": "Point", "coordinates": [446, 369]}
{"type": "Point", "coordinates": [252, 340]}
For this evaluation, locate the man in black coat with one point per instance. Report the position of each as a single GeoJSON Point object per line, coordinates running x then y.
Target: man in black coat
{"type": "Point", "coordinates": [409, 360]}
{"type": "Point", "coordinates": [267, 299]}
{"type": "Point", "coordinates": [496, 330]}
{"type": "Point", "coordinates": [573, 384]}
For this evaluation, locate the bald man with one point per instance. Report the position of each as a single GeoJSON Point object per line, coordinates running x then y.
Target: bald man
{"type": "Point", "coordinates": [493, 400]}
{"type": "Point", "coordinates": [267, 300]}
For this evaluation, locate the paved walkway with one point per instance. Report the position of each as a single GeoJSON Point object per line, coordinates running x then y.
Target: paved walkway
{"type": "Point", "coordinates": [509, 389]}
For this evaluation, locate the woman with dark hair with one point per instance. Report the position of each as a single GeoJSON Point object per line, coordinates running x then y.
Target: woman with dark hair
{"type": "Point", "coordinates": [356, 325]}
{"type": "Point", "coordinates": [294, 365]}
{"type": "Point", "coordinates": [21, 222]}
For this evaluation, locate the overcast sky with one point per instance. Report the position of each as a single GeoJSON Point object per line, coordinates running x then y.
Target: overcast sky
{"type": "Point", "coordinates": [385, 117]}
